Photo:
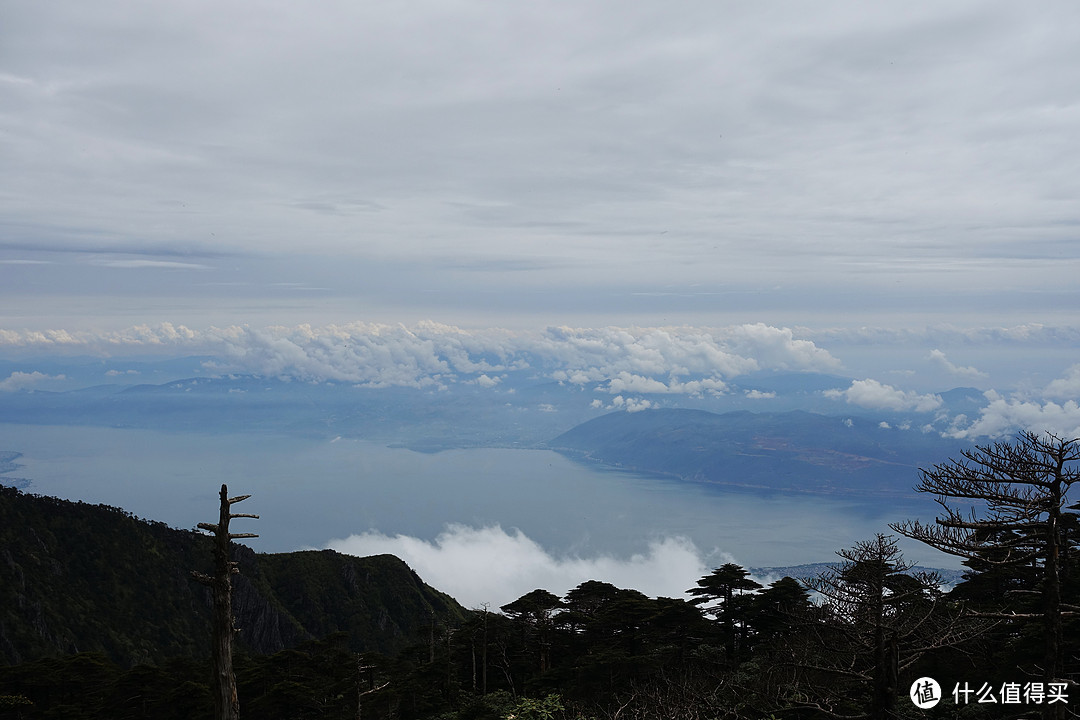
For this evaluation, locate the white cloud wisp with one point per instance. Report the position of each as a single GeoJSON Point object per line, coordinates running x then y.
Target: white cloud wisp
{"type": "Point", "coordinates": [939, 358]}
{"type": "Point", "coordinates": [491, 565]}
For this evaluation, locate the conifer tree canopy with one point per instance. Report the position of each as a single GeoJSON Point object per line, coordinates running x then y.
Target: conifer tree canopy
{"type": "Point", "coordinates": [1004, 506]}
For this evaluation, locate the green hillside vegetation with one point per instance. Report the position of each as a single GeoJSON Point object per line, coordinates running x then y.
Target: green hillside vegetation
{"type": "Point", "coordinates": [76, 577]}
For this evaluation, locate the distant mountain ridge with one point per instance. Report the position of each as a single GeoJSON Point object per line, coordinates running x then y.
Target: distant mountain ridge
{"type": "Point", "coordinates": [76, 577]}
{"type": "Point", "coordinates": [789, 452]}
{"type": "Point", "coordinates": [517, 408]}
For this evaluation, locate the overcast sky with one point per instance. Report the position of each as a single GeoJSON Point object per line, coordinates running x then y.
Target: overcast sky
{"type": "Point", "coordinates": [525, 164]}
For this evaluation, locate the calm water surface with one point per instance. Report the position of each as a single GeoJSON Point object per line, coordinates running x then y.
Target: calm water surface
{"type": "Point", "coordinates": [309, 492]}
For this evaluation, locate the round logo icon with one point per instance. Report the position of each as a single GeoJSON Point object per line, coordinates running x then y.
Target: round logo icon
{"type": "Point", "coordinates": [925, 693]}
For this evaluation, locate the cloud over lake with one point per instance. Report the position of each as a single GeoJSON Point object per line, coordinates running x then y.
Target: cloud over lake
{"type": "Point", "coordinates": [495, 566]}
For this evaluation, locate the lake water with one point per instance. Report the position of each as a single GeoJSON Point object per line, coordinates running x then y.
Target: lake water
{"type": "Point", "coordinates": [310, 492]}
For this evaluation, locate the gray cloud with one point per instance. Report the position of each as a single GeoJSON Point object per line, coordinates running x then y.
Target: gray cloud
{"type": "Point", "coordinates": [914, 151]}
{"type": "Point", "coordinates": [167, 264]}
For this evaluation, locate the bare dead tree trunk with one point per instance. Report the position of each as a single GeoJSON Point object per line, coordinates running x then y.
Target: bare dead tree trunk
{"type": "Point", "coordinates": [1053, 661]}
{"type": "Point", "coordinates": [484, 654]}
{"type": "Point", "coordinates": [360, 668]}
{"type": "Point", "coordinates": [226, 703]}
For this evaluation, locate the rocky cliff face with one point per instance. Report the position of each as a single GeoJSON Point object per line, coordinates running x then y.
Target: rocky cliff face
{"type": "Point", "coordinates": [76, 577]}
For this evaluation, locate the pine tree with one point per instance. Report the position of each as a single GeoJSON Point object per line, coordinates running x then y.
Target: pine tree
{"type": "Point", "coordinates": [875, 620]}
{"type": "Point", "coordinates": [726, 589]}
{"type": "Point", "coordinates": [534, 612]}
{"type": "Point", "coordinates": [1012, 498]}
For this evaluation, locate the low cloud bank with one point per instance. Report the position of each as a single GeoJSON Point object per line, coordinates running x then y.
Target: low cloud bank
{"type": "Point", "coordinates": [623, 364]}
{"type": "Point", "coordinates": [1053, 409]}
{"type": "Point", "coordinates": [491, 565]}
{"type": "Point", "coordinates": [1003, 416]}
{"type": "Point", "coordinates": [22, 380]}
{"type": "Point", "coordinates": [672, 360]}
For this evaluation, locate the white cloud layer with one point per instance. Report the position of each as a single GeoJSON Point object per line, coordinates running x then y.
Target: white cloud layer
{"type": "Point", "coordinates": [760, 395]}
{"type": "Point", "coordinates": [878, 396]}
{"type": "Point", "coordinates": [630, 405]}
{"type": "Point", "coordinates": [1005, 416]}
{"type": "Point", "coordinates": [632, 366]}
{"type": "Point", "coordinates": [628, 360]}
{"type": "Point", "coordinates": [598, 354]}
{"type": "Point", "coordinates": [1055, 409]}
{"type": "Point", "coordinates": [1065, 388]}
{"type": "Point", "coordinates": [491, 565]}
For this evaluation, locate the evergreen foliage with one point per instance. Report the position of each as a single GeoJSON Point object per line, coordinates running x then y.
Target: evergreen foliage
{"type": "Point", "coordinates": [76, 577]}
{"type": "Point", "coordinates": [1003, 510]}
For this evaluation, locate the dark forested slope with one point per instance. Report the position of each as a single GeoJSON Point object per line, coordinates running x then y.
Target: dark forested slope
{"type": "Point", "coordinates": [76, 577]}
